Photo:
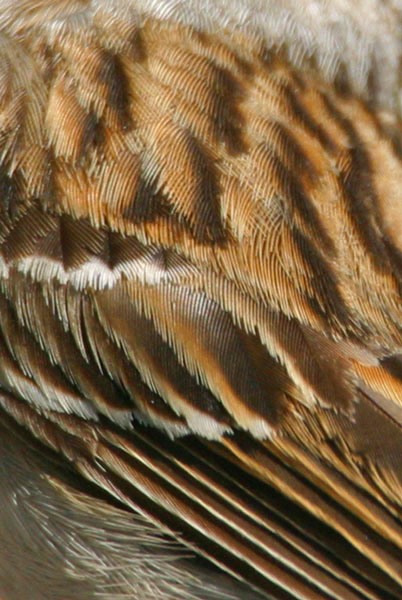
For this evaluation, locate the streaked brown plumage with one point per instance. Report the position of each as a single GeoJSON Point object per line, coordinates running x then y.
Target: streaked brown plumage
{"type": "Point", "coordinates": [200, 317]}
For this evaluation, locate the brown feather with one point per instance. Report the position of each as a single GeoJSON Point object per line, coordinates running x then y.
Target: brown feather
{"type": "Point", "coordinates": [200, 312]}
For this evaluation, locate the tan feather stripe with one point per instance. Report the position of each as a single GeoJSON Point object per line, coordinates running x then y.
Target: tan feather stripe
{"type": "Point", "coordinates": [286, 580]}
{"type": "Point", "coordinates": [293, 487]}
{"type": "Point", "coordinates": [211, 526]}
{"type": "Point", "coordinates": [317, 534]}
{"type": "Point", "coordinates": [252, 503]}
{"type": "Point", "coordinates": [358, 183]}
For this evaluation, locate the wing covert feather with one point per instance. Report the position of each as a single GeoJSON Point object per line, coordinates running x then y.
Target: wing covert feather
{"type": "Point", "coordinates": [200, 295]}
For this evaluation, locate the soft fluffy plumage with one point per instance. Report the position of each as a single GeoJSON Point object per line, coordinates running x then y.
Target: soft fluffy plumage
{"type": "Point", "coordinates": [200, 301]}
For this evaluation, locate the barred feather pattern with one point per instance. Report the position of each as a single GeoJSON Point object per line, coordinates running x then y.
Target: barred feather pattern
{"type": "Point", "coordinates": [200, 312]}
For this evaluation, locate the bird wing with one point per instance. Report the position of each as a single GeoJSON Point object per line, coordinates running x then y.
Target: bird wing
{"type": "Point", "coordinates": [200, 305]}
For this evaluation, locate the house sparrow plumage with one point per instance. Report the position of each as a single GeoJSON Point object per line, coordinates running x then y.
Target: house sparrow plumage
{"type": "Point", "coordinates": [200, 300]}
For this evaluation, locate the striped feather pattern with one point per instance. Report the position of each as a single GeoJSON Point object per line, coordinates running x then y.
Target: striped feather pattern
{"type": "Point", "coordinates": [200, 298]}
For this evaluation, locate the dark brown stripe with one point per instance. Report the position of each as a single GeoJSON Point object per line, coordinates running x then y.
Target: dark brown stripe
{"type": "Point", "coordinates": [226, 94]}
{"type": "Point", "coordinates": [93, 135]}
{"type": "Point", "coordinates": [101, 348]}
{"type": "Point", "coordinates": [291, 190]}
{"type": "Point", "coordinates": [229, 121]}
{"type": "Point", "coordinates": [241, 357]}
{"type": "Point", "coordinates": [395, 257]}
{"type": "Point", "coordinates": [295, 157]}
{"type": "Point", "coordinates": [205, 221]}
{"type": "Point", "coordinates": [333, 310]}
{"type": "Point", "coordinates": [140, 332]}
{"type": "Point", "coordinates": [301, 115]}
{"type": "Point", "coordinates": [362, 202]}
{"type": "Point", "coordinates": [12, 198]}
{"type": "Point", "coordinates": [325, 372]}
{"type": "Point", "coordinates": [393, 364]}
{"type": "Point", "coordinates": [123, 249]}
{"type": "Point", "coordinates": [147, 203]}
{"type": "Point", "coordinates": [113, 75]}
{"type": "Point", "coordinates": [80, 241]}
{"type": "Point", "coordinates": [359, 190]}
{"type": "Point", "coordinates": [31, 228]}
